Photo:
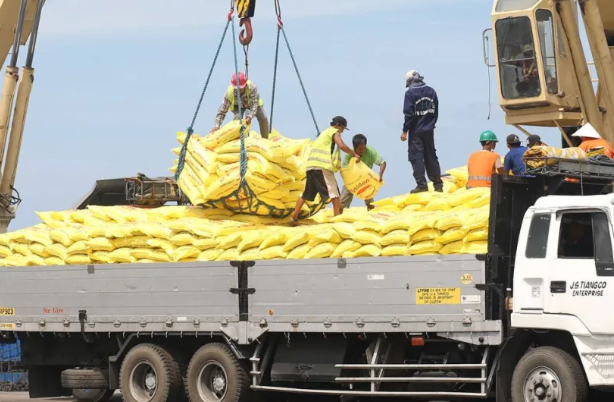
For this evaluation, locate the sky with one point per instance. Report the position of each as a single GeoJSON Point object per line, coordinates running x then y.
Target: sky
{"type": "Point", "coordinates": [116, 79]}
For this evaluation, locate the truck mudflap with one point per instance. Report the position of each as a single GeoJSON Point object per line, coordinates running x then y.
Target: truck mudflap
{"type": "Point", "coordinates": [435, 294]}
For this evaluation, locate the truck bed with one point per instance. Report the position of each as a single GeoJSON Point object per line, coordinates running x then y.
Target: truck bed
{"type": "Point", "coordinates": [434, 294]}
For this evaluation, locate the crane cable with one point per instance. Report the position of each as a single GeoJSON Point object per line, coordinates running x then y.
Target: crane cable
{"type": "Point", "coordinates": [190, 129]}
{"type": "Point", "coordinates": [280, 29]}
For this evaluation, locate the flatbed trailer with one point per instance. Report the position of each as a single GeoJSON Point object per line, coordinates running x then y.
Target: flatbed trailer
{"type": "Point", "coordinates": [420, 326]}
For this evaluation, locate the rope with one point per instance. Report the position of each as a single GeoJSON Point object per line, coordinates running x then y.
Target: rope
{"type": "Point", "coordinates": [299, 78]}
{"type": "Point", "coordinates": [190, 129]}
{"type": "Point", "coordinates": [274, 79]}
{"type": "Point", "coordinates": [243, 154]}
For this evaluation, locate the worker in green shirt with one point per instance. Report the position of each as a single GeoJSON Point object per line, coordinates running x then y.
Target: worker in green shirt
{"type": "Point", "coordinates": [369, 156]}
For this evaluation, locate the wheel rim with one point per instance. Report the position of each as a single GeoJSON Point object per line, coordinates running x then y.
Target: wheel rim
{"type": "Point", "coordinates": [212, 382]}
{"type": "Point", "coordinates": [143, 381]}
{"type": "Point", "coordinates": [542, 385]}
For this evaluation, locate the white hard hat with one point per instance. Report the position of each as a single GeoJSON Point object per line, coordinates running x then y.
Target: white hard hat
{"type": "Point", "coordinates": [587, 131]}
{"type": "Point", "coordinates": [410, 74]}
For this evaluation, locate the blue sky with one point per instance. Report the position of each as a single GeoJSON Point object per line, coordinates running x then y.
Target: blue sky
{"type": "Point", "coordinates": [116, 79]}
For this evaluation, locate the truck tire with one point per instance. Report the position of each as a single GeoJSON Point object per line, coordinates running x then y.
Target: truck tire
{"type": "Point", "coordinates": [549, 374]}
{"type": "Point", "coordinates": [215, 375]}
{"type": "Point", "coordinates": [150, 374]}
{"type": "Point", "coordinates": [92, 395]}
{"type": "Point", "coordinates": [87, 378]}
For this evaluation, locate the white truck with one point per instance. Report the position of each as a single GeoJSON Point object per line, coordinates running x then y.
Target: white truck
{"type": "Point", "coordinates": [429, 327]}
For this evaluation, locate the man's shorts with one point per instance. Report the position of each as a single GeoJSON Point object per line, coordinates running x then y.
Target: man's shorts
{"type": "Point", "coordinates": [323, 182]}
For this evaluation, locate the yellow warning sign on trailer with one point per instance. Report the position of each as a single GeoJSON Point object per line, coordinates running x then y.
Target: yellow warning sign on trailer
{"type": "Point", "coordinates": [438, 296]}
{"type": "Point", "coordinates": [6, 326]}
{"type": "Point", "coordinates": [7, 311]}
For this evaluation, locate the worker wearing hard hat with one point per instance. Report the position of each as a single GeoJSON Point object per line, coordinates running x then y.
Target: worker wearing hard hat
{"type": "Point", "coordinates": [421, 109]}
{"type": "Point", "coordinates": [251, 104]}
{"type": "Point", "coordinates": [592, 143]}
{"type": "Point", "coordinates": [484, 163]}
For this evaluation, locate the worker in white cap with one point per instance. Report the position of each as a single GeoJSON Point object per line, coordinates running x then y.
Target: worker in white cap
{"type": "Point", "coordinates": [592, 143]}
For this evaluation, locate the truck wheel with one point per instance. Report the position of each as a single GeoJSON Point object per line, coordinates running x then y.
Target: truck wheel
{"type": "Point", "coordinates": [215, 375]}
{"type": "Point", "coordinates": [150, 374]}
{"type": "Point", "coordinates": [92, 395]}
{"type": "Point", "coordinates": [87, 378]}
{"type": "Point", "coordinates": [548, 374]}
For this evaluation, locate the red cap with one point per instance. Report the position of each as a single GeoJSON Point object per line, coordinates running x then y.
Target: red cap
{"type": "Point", "coordinates": [242, 80]}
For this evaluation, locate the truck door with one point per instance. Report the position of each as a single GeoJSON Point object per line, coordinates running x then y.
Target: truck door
{"type": "Point", "coordinates": [581, 278]}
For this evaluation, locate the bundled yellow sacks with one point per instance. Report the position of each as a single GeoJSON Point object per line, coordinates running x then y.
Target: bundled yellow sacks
{"type": "Point", "coordinates": [274, 179]}
{"type": "Point", "coordinates": [409, 224]}
{"type": "Point", "coordinates": [544, 153]}
{"type": "Point", "coordinates": [361, 181]}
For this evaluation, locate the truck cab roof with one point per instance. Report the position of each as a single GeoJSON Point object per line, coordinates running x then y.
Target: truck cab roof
{"type": "Point", "coordinates": [574, 201]}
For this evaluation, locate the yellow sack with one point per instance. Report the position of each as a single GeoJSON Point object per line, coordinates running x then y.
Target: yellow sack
{"type": "Point", "coordinates": [251, 239]}
{"type": "Point", "coordinates": [451, 220]}
{"type": "Point", "coordinates": [78, 259]}
{"type": "Point", "coordinates": [251, 254]}
{"type": "Point", "coordinates": [273, 252]}
{"type": "Point", "coordinates": [80, 247]}
{"type": "Point", "coordinates": [230, 241]}
{"type": "Point", "coordinates": [209, 255]}
{"type": "Point", "coordinates": [465, 197]}
{"type": "Point", "coordinates": [57, 250]}
{"type": "Point", "coordinates": [273, 239]}
{"type": "Point", "coordinates": [298, 253]}
{"type": "Point", "coordinates": [206, 244]}
{"type": "Point", "coordinates": [477, 235]}
{"type": "Point", "coordinates": [5, 251]}
{"type": "Point", "coordinates": [385, 202]}
{"type": "Point", "coordinates": [38, 235]}
{"type": "Point", "coordinates": [183, 239]}
{"type": "Point", "coordinates": [450, 184]}
{"type": "Point", "coordinates": [5, 239]}
{"type": "Point", "coordinates": [425, 247]}
{"type": "Point", "coordinates": [258, 183]}
{"type": "Point", "coordinates": [425, 235]}
{"type": "Point", "coordinates": [477, 218]}
{"type": "Point", "coordinates": [145, 261]}
{"type": "Point", "coordinates": [48, 219]}
{"type": "Point", "coordinates": [325, 236]}
{"type": "Point", "coordinates": [479, 202]}
{"type": "Point", "coordinates": [21, 248]}
{"type": "Point", "coordinates": [451, 236]}
{"type": "Point", "coordinates": [350, 215]}
{"type": "Point", "coordinates": [438, 204]}
{"type": "Point", "coordinates": [16, 260]}
{"type": "Point", "coordinates": [35, 261]}
{"type": "Point", "coordinates": [344, 247]}
{"type": "Point", "coordinates": [100, 244]}
{"type": "Point", "coordinates": [36, 248]}
{"type": "Point", "coordinates": [457, 247]}
{"type": "Point", "coordinates": [345, 230]}
{"type": "Point", "coordinates": [394, 250]}
{"type": "Point", "coordinates": [552, 153]}
{"type": "Point", "coordinates": [205, 157]}
{"type": "Point", "coordinates": [323, 250]}
{"type": "Point", "coordinates": [418, 198]}
{"type": "Point", "coordinates": [131, 242]}
{"type": "Point", "coordinates": [461, 174]}
{"type": "Point", "coordinates": [141, 254]}
{"type": "Point", "coordinates": [190, 187]}
{"type": "Point", "coordinates": [160, 256]}
{"type": "Point", "coordinates": [401, 221]}
{"type": "Point", "coordinates": [165, 245]}
{"type": "Point", "coordinates": [395, 237]}
{"type": "Point", "coordinates": [51, 261]}
{"type": "Point", "coordinates": [102, 257]}
{"type": "Point", "coordinates": [413, 208]}
{"type": "Point", "coordinates": [185, 252]}
{"type": "Point", "coordinates": [231, 254]}
{"type": "Point", "coordinates": [261, 165]}
{"type": "Point", "coordinates": [292, 147]}
{"type": "Point", "coordinates": [226, 133]}
{"type": "Point", "coordinates": [181, 136]}
{"type": "Point", "coordinates": [176, 151]}
{"type": "Point", "coordinates": [374, 221]}
{"type": "Point", "coordinates": [367, 237]}
{"type": "Point", "coordinates": [476, 247]}
{"type": "Point", "coordinates": [122, 255]}
{"type": "Point", "coordinates": [425, 220]}
{"type": "Point", "coordinates": [361, 181]}
{"type": "Point", "coordinates": [223, 186]}
{"type": "Point", "coordinates": [297, 240]}
{"type": "Point", "coordinates": [370, 250]}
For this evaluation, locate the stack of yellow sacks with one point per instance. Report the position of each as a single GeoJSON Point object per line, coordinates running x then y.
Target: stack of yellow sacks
{"type": "Point", "coordinates": [275, 171]}
{"type": "Point", "coordinates": [455, 222]}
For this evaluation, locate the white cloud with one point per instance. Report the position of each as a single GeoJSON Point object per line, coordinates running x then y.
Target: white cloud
{"type": "Point", "coordinates": [75, 18]}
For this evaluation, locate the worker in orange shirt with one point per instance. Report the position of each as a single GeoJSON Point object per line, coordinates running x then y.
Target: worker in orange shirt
{"type": "Point", "coordinates": [484, 163]}
{"type": "Point", "coordinates": [592, 143]}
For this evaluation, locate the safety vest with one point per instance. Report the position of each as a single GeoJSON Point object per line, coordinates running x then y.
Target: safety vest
{"type": "Point", "coordinates": [232, 91]}
{"type": "Point", "coordinates": [594, 144]}
{"type": "Point", "coordinates": [480, 168]}
{"type": "Point", "coordinates": [321, 153]}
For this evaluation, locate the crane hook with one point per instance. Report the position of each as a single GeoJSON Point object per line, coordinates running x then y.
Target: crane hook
{"type": "Point", "coordinates": [246, 35]}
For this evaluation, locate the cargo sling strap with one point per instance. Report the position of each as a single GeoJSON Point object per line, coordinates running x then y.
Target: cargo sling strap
{"type": "Point", "coordinates": [244, 192]}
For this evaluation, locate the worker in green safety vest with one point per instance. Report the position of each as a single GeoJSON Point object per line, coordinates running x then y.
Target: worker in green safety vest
{"type": "Point", "coordinates": [251, 104]}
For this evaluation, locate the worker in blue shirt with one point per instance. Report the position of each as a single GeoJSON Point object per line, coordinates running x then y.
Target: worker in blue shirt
{"type": "Point", "coordinates": [513, 160]}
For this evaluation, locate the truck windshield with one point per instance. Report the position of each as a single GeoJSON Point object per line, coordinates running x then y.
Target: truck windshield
{"type": "Point", "coordinates": [518, 69]}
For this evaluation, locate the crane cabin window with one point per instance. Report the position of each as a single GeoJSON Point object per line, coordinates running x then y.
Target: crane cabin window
{"type": "Point", "coordinates": [545, 27]}
{"type": "Point", "coordinates": [518, 67]}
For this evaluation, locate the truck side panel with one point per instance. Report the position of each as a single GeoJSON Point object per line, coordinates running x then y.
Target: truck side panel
{"type": "Point", "coordinates": [118, 298]}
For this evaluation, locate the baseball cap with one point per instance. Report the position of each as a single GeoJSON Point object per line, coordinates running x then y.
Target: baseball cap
{"type": "Point", "coordinates": [533, 139]}
{"type": "Point", "coordinates": [339, 120]}
{"type": "Point", "coordinates": [513, 139]}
